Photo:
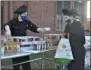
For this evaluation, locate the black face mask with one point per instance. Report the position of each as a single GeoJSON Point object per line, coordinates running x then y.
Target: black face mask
{"type": "Point", "coordinates": [68, 21]}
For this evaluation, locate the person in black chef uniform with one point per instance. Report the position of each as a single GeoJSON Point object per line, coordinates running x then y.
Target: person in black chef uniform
{"type": "Point", "coordinates": [77, 38]}
{"type": "Point", "coordinates": [18, 27]}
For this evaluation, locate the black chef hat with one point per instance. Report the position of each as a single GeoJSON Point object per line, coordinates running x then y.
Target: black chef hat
{"type": "Point", "coordinates": [70, 12]}
{"type": "Point", "coordinates": [65, 12]}
{"type": "Point", "coordinates": [21, 9]}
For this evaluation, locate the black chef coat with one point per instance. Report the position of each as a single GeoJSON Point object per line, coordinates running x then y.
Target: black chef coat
{"type": "Point", "coordinates": [19, 28]}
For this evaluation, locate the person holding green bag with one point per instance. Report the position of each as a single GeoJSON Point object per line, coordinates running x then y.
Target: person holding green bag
{"type": "Point", "coordinates": [64, 54]}
{"type": "Point", "coordinates": [77, 39]}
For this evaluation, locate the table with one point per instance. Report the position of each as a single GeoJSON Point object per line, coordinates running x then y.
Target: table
{"type": "Point", "coordinates": [20, 54]}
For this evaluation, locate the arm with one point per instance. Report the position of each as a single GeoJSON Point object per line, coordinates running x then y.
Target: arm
{"type": "Point", "coordinates": [7, 30]}
{"type": "Point", "coordinates": [82, 32]}
{"type": "Point", "coordinates": [84, 41]}
{"type": "Point", "coordinates": [32, 27]}
{"type": "Point", "coordinates": [65, 31]}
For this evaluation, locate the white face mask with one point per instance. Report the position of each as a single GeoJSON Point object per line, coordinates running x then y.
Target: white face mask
{"type": "Point", "coordinates": [66, 19]}
{"type": "Point", "coordinates": [72, 19]}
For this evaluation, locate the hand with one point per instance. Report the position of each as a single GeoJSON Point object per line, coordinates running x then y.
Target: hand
{"type": "Point", "coordinates": [43, 29]}
{"type": "Point", "coordinates": [40, 30]}
{"type": "Point", "coordinates": [47, 29]}
{"type": "Point", "coordinates": [8, 35]}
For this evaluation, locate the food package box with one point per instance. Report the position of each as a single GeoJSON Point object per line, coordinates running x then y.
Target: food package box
{"type": "Point", "coordinates": [28, 43]}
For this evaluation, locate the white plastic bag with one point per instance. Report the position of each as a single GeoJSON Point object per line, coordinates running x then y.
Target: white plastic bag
{"type": "Point", "coordinates": [64, 53]}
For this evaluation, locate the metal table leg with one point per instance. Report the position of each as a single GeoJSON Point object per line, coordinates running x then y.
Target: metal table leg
{"type": "Point", "coordinates": [43, 61]}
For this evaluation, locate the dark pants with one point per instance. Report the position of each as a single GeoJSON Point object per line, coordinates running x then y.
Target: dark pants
{"type": "Point", "coordinates": [76, 65]}
{"type": "Point", "coordinates": [25, 66]}
{"type": "Point", "coordinates": [79, 57]}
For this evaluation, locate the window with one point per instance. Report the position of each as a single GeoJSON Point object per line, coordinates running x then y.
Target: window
{"type": "Point", "coordinates": [77, 5]}
{"type": "Point", "coordinates": [88, 10]}
{"type": "Point", "coordinates": [60, 26]}
{"type": "Point", "coordinates": [1, 19]}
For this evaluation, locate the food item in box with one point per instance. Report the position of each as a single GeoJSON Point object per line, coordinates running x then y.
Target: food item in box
{"type": "Point", "coordinates": [36, 44]}
{"type": "Point", "coordinates": [30, 39]}
{"type": "Point", "coordinates": [11, 46]}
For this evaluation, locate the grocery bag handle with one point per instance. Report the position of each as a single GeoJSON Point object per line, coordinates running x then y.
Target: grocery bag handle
{"type": "Point", "coordinates": [68, 35]}
{"type": "Point", "coordinates": [63, 35]}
